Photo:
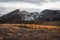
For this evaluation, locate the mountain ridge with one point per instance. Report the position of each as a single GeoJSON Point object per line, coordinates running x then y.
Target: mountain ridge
{"type": "Point", "coordinates": [18, 16]}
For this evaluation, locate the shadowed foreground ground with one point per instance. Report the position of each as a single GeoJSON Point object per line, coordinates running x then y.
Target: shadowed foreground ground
{"type": "Point", "coordinates": [29, 32]}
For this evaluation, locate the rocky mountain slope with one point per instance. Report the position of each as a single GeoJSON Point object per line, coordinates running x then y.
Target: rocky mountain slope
{"type": "Point", "coordinates": [50, 15]}
{"type": "Point", "coordinates": [18, 16]}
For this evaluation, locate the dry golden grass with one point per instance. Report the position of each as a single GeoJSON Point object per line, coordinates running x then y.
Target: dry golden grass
{"type": "Point", "coordinates": [29, 32]}
{"type": "Point", "coordinates": [30, 25]}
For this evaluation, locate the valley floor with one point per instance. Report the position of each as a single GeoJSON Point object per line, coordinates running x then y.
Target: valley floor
{"type": "Point", "coordinates": [29, 32]}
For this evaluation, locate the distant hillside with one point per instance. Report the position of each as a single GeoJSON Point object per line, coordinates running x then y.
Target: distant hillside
{"type": "Point", "coordinates": [18, 16]}
{"type": "Point", "coordinates": [54, 23]}
{"type": "Point", "coordinates": [50, 15]}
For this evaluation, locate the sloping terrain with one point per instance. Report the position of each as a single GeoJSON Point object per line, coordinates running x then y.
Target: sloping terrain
{"type": "Point", "coordinates": [19, 25]}
{"type": "Point", "coordinates": [18, 16]}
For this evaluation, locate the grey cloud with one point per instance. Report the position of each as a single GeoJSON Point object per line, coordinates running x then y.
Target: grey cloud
{"type": "Point", "coordinates": [30, 1]}
{"type": "Point", "coordinates": [34, 1]}
{"type": "Point", "coordinates": [54, 0]}
{"type": "Point", "coordinates": [2, 9]}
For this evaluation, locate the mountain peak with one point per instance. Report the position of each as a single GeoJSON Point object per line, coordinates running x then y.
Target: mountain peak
{"type": "Point", "coordinates": [18, 16]}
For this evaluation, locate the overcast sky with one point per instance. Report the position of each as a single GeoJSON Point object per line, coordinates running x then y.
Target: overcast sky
{"type": "Point", "coordinates": [30, 5]}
